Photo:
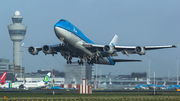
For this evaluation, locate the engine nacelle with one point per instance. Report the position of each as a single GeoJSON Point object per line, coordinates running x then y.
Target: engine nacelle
{"type": "Point", "coordinates": [108, 49]}
{"type": "Point", "coordinates": [140, 50]}
{"type": "Point", "coordinates": [33, 50]}
{"type": "Point", "coordinates": [46, 49]}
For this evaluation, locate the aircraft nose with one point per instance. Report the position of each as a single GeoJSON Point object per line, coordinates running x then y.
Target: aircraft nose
{"type": "Point", "coordinates": [59, 32]}
{"type": "Point", "coordinates": [56, 31]}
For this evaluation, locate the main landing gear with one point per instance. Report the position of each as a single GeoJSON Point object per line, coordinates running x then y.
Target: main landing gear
{"type": "Point", "coordinates": [69, 60]}
{"type": "Point", "coordinates": [80, 62]}
{"type": "Point", "coordinates": [90, 62]}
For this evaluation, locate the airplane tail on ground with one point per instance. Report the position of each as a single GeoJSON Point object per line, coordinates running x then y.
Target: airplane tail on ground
{"type": "Point", "coordinates": [148, 82]}
{"type": "Point", "coordinates": [47, 77]}
{"type": "Point", "coordinates": [114, 41]}
{"type": "Point", "coordinates": [178, 83]}
{"type": "Point", "coordinates": [3, 78]}
{"type": "Point", "coordinates": [164, 83]}
{"type": "Point", "coordinates": [157, 83]}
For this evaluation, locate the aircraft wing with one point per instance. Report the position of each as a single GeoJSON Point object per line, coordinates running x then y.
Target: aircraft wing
{"type": "Point", "coordinates": [125, 49]}
{"type": "Point", "coordinates": [51, 49]}
{"type": "Point", "coordinates": [120, 48]}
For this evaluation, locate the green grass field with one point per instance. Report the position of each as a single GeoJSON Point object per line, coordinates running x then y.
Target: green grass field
{"type": "Point", "coordinates": [96, 96]}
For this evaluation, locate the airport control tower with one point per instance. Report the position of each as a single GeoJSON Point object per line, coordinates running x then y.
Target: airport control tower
{"type": "Point", "coordinates": [17, 32]}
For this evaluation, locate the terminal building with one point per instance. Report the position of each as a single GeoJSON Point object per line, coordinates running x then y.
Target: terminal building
{"type": "Point", "coordinates": [74, 73]}
{"type": "Point", "coordinates": [6, 65]}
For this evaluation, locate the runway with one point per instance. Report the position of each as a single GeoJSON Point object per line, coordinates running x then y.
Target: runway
{"type": "Point", "coordinates": [76, 91]}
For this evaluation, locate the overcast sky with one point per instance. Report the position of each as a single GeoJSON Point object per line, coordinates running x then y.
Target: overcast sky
{"type": "Point", "coordinates": [136, 22]}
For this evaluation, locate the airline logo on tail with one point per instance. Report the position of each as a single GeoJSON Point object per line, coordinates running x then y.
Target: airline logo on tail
{"type": "Point", "coordinates": [46, 78]}
{"type": "Point", "coordinates": [3, 78]}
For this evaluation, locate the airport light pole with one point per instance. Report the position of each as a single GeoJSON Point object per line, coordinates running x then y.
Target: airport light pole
{"type": "Point", "coordinates": [96, 77]}
{"type": "Point", "coordinates": [149, 70]}
{"type": "Point", "coordinates": [177, 69]}
{"type": "Point", "coordinates": [53, 80]}
{"type": "Point", "coordinates": [168, 74]}
{"type": "Point", "coordinates": [154, 82]}
{"type": "Point", "coordinates": [21, 65]}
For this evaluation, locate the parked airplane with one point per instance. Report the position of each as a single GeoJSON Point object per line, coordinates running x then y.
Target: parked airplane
{"type": "Point", "coordinates": [3, 78]}
{"type": "Point", "coordinates": [18, 85]}
{"type": "Point", "coordinates": [14, 85]}
{"type": "Point", "coordinates": [75, 44]}
{"type": "Point", "coordinates": [38, 84]}
{"type": "Point", "coordinates": [174, 86]}
{"type": "Point", "coordinates": [143, 86]}
{"type": "Point", "coordinates": [156, 86]}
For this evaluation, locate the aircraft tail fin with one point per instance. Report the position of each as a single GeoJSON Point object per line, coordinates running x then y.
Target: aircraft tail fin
{"type": "Point", "coordinates": [178, 83]}
{"type": "Point", "coordinates": [157, 83]}
{"type": "Point", "coordinates": [47, 77]}
{"type": "Point", "coordinates": [164, 83]}
{"type": "Point", "coordinates": [114, 41]}
{"type": "Point", "coordinates": [109, 74]}
{"type": "Point", "coordinates": [3, 78]}
{"type": "Point", "coordinates": [148, 82]}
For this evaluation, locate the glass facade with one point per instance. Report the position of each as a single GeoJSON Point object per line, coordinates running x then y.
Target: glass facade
{"type": "Point", "coordinates": [5, 64]}
{"type": "Point", "coordinates": [17, 20]}
{"type": "Point", "coordinates": [13, 32]}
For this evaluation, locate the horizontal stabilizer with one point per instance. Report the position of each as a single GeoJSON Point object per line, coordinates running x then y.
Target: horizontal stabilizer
{"type": "Point", "coordinates": [125, 60]}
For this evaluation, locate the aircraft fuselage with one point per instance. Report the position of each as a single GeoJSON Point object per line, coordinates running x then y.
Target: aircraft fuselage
{"type": "Point", "coordinates": [69, 34]}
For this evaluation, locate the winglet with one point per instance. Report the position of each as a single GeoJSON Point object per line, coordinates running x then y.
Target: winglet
{"type": "Point", "coordinates": [23, 45]}
{"type": "Point", "coordinates": [177, 45]}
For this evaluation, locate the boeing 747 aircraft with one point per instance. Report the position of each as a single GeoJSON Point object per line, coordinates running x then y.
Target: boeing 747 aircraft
{"type": "Point", "coordinates": [74, 44]}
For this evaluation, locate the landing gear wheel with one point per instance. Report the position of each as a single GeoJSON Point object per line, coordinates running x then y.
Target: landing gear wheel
{"type": "Point", "coordinates": [78, 62]}
{"type": "Point", "coordinates": [81, 62]}
{"type": "Point", "coordinates": [89, 62]}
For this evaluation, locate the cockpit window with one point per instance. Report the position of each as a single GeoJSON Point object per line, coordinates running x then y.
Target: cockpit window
{"type": "Point", "coordinates": [63, 20]}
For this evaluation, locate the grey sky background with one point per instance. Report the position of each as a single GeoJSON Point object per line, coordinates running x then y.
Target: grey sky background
{"type": "Point", "coordinates": [136, 22]}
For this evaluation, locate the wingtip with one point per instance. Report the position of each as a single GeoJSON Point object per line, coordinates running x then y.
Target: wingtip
{"type": "Point", "coordinates": [22, 44]}
{"type": "Point", "coordinates": [177, 45]}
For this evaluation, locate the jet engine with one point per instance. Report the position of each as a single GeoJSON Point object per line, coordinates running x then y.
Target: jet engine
{"type": "Point", "coordinates": [140, 50]}
{"type": "Point", "coordinates": [33, 50]}
{"type": "Point", "coordinates": [46, 49]}
{"type": "Point", "coordinates": [108, 49]}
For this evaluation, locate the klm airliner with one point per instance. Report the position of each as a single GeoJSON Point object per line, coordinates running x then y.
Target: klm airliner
{"type": "Point", "coordinates": [74, 44]}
